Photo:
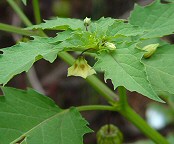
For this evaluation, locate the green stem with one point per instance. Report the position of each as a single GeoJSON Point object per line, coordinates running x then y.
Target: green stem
{"type": "Point", "coordinates": [97, 84]}
{"type": "Point", "coordinates": [36, 11]}
{"type": "Point", "coordinates": [122, 96]}
{"type": "Point", "coordinates": [126, 111]}
{"type": "Point", "coordinates": [38, 16]}
{"type": "Point", "coordinates": [20, 13]}
{"type": "Point", "coordinates": [23, 17]}
{"type": "Point", "coordinates": [133, 117]}
{"type": "Point", "coordinates": [98, 107]}
{"type": "Point", "coordinates": [17, 30]}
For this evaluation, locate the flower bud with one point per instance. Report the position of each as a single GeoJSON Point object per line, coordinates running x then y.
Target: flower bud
{"type": "Point", "coordinates": [87, 21]}
{"type": "Point", "coordinates": [109, 134]}
{"type": "Point", "coordinates": [150, 50]}
{"type": "Point", "coordinates": [110, 46]}
{"type": "Point", "coordinates": [81, 68]}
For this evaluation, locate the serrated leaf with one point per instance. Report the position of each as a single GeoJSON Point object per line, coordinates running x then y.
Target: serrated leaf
{"type": "Point", "coordinates": [114, 29]}
{"type": "Point", "coordinates": [33, 118]}
{"type": "Point", "coordinates": [62, 36]}
{"type": "Point", "coordinates": [83, 40]}
{"type": "Point", "coordinates": [124, 68]}
{"type": "Point", "coordinates": [60, 24]}
{"type": "Point", "coordinates": [157, 19]}
{"type": "Point", "coordinates": [119, 27]}
{"type": "Point", "coordinates": [21, 57]}
{"type": "Point", "coordinates": [100, 27]}
{"type": "Point", "coordinates": [104, 23]}
{"type": "Point", "coordinates": [160, 69]}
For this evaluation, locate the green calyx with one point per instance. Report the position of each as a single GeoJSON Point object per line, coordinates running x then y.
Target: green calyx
{"type": "Point", "coordinates": [109, 134]}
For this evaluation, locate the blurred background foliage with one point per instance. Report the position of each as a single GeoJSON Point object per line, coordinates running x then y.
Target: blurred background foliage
{"type": "Point", "coordinates": [74, 91]}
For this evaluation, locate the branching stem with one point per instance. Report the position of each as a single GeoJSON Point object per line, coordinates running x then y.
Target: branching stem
{"type": "Point", "coordinates": [106, 92]}
{"type": "Point", "coordinates": [135, 119]}
{"type": "Point", "coordinates": [17, 30]}
{"type": "Point", "coordinates": [98, 107]}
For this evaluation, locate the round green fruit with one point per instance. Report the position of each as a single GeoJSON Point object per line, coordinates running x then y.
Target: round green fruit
{"type": "Point", "coordinates": [109, 134]}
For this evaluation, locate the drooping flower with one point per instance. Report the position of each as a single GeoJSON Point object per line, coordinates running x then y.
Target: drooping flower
{"type": "Point", "coordinates": [150, 50]}
{"type": "Point", "coordinates": [87, 21]}
{"type": "Point", "coordinates": [81, 68]}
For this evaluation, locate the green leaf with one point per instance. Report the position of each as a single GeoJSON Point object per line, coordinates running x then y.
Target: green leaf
{"type": "Point", "coordinates": [124, 68]}
{"type": "Point", "coordinates": [100, 27]}
{"type": "Point", "coordinates": [114, 30]}
{"type": "Point", "coordinates": [104, 23]}
{"type": "Point", "coordinates": [157, 19]}
{"type": "Point", "coordinates": [82, 40]}
{"type": "Point", "coordinates": [120, 28]}
{"type": "Point", "coordinates": [33, 118]}
{"type": "Point", "coordinates": [160, 68]}
{"type": "Point", "coordinates": [146, 42]}
{"type": "Point", "coordinates": [62, 36]}
{"type": "Point", "coordinates": [21, 57]}
{"type": "Point", "coordinates": [60, 24]}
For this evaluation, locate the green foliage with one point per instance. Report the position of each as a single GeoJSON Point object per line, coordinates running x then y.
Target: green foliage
{"type": "Point", "coordinates": [82, 40]}
{"type": "Point", "coordinates": [100, 27]}
{"type": "Point", "coordinates": [60, 24]}
{"type": "Point", "coordinates": [120, 28]}
{"type": "Point", "coordinates": [127, 70]}
{"type": "Point", "coordinates": [34, 118]}
{"type": "Point", "coordinates": [20, 57]}
{"type": "Point", "coordinates": [29, 117]}
{"type": "Point", "coordinates": [124, 68]}
{"type": "Point", "coordinates": [62, 36]}
{"type": "Point", "coordinates": [156, 19]}
{"type": "Point", "coordinates": [160, 69]}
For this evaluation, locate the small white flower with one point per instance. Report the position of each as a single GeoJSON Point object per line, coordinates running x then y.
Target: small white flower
{"type": "Point", "coordinates": [87, 21]}
{"type": "Point", "coordinates": [81, 68]}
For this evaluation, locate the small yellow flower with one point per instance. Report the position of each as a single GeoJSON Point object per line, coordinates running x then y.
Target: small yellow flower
{"type": "Point", "coordinates": [150, 50]}
{"type": "Point", "coordinates": [81, 68]}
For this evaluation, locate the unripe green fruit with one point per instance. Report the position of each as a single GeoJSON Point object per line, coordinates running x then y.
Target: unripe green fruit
{"type": "Point", "coordinates": [109, 134]}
